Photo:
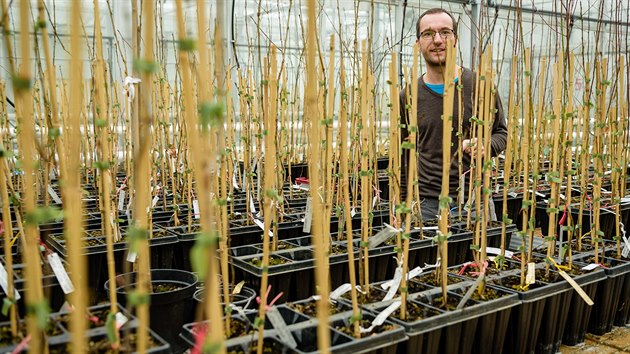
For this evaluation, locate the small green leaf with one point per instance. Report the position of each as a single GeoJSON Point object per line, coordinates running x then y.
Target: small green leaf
{"type": "Point", "coordinates": [134, 298]}
{"type": "Point", "coordinates": [6, 305]}
{"type": "Point", "coordinates": [20, 83]}
{"type": "Point", "coordinates": [42, 215]}
{"type": "Point", "coordinates": [186, 44]}
{"type": "Point", "coordinates": [145, 66]}
{"type": "Point", "coordinates": [110, 326]}
{"type": "Point", "coordinates": [40, 310]}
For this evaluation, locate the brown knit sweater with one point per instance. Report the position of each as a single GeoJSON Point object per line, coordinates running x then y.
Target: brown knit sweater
{"type": "Point", "coordinates": [429, 136]}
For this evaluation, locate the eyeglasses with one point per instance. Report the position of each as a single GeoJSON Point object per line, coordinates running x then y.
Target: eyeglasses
{"type": "Point", "coordinates": [444, 34]}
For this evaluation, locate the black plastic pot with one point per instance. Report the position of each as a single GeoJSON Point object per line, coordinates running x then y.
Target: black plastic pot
{"type": "Point", "coordinates": [384, 339]}
{"type": "Point", "coordinates": [294, 277]}
{"type": "Point", "coordinates": [95, 250]}
{"type": "Point", "coordinates": [622, 316]}
{"type": "Point", "coordinates": [610, 296]}
{"type": "Point", "coordinates": [244, 299]}
{"type": "Point", "coordinates": [168, 310]}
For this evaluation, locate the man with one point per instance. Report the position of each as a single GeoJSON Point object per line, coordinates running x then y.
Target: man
{"type": "Point", "coordinates": [433, 29]}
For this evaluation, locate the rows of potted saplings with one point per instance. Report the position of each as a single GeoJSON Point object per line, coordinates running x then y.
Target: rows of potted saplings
{"type": "Point", "coordinates": [517, 300]}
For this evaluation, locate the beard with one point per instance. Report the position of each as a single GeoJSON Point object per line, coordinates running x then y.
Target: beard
{"type": "Point", "coordinates": [435, 59]}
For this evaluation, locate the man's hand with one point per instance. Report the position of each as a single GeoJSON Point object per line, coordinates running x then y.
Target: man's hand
{"type": "Point", "coordinates": [470, 147]}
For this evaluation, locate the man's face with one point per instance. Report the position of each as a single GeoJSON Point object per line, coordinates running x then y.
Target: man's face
{"type": "Point", "coordinates": [433, 48]}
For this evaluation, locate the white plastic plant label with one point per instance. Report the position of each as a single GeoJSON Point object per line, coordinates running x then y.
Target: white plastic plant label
{"type": "Point", "coordinates": [380, 319]}
{"type": "Point", "coordinates": [235, 182]}
{"type": "Point", "coordinates": [497, 251]}
{"type": "Point", "coordinates": [374, 201]}
{"type": "Point", "coordinates": [121, 320]}
{"type": "Point", "coordinates": [342, 289]}
{"type": "Point", "coordinates": [154, 201]}
{"type": "Point", "coordinates": [252, 205]}
{"type": "Point", "coordinates": [412, 274]}
{"type": "Point", "coordinates": [261, 224]}
{"type": "Point", "coordinates": [385, 234]}
{"type": "Point", "coordinates": [54, 195]}
{"type": "Point", "coordinates": [353, 212]}
{"type": "Point", "coordinates": [513, 194]}
{"type": "Point", "coordinates": [197, 213]}
{"type": "Point", "coordinates": [60, 273]}
{"type": "Point", "coordinates": [131, 257]}
{"type": "Point", "coordinates": [308, 216]}
{"type": "Point", "coordinates": [531, 273]}
{"type": "Point", "coordinates": [281, 327]}
{"type": "Point", "coordinates": [5, 283]}
{"type": "Point", "coordinates": [590, 266]}
{"type": "Point", "coordinates": [393, 288]}
{"type": "Point", "coordinates": [121, 200]}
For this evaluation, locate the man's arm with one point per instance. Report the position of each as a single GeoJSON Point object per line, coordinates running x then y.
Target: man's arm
{"type": "Point", "coordinates": [499, 129]}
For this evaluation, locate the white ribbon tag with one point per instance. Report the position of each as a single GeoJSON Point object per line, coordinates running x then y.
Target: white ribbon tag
{"type": "Point", "coordinates": [154, 201]}
{"type": "Point", "coordinates": [393, 288]}
{"type": "Point", "coordinates": [497, 251]}
{"type": "Point", "coordinates": [196, 211]}
{"type": "Point", "coordinates": [5, 283]}
{"type": "Point", "coordinates": [381, 317]}
{"type": "Point", "coordinates": [235, 182]}
{"type": "Point", "coordinates": [308, 215]}
{"type": "Point", "coordinates": [385, 234]}
{"type": "Point", "coordinates": [281, 327]}
{"type": "Point", "coordinates": [260, 224]}
{"type": "Point", "coordinates": [60, 273]}
{"type": "Point", "coordinates": [54, 195]}
{"type": "Point", "coordinates": [252, 205]}
{"type": "Point", "coordinates": [238, 309]}
{"type": "Point", "coordinates": [412, 274]}
{"type": "Point", "coordinates": [121, 200]}
{"type": "Point", "coordinates": [342, 289]}
{"type": "Point", "coordinates": [531, 273]}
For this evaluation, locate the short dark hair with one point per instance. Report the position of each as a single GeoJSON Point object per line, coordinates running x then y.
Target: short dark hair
{"type": "Point", "coordinates": [433, 11]}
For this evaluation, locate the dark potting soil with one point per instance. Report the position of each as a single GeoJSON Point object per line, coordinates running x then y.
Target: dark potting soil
{"type": "Point", "coordinates": [416, 312]}
{"type": "Point", "coordinates": [6, 338]}
{"type": "Point", "coordinates": [338, 249]}
{"type": "Point", "coordinates": [96, 319]}
{"type": "Point", "coordinates": [268, 348]}
{"type": "Point", "coordinates": [285, 246]}
{"type": "Point", "coordinates": [238, 328]}
{"type": "Point", "coordinates": [451, 303]}
{"type": "Point", "coordinates": [310, 308]}
{"type": "Point", "coordinates": [349, 330]}
{"type": "Point", "coordinates": [376, 295]}
{"type": "Point", "coordinates": [103, 346]}
{"type": "Point", "coordinates": [416, 286]}
{"type": "Point", "coordinates": [431, 279]}
{"type": "Point", "coordinates": [487, 294]}
{"type": "Point", "coordinates": [514, 282]}
{"type": "Point", "coordinates": [273, 260]}
{"type": "Point", "coordinates": [165, 287]}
